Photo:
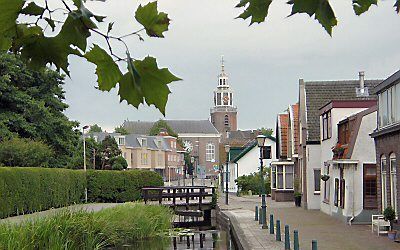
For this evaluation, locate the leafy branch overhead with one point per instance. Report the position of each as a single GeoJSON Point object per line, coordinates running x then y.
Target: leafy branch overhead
{"type": "Point", "coordinates": [36, 41]}
{"type": "Point", "coordinates": [257, 10]}
{"type": "Point", "coordinates": [49, 32]}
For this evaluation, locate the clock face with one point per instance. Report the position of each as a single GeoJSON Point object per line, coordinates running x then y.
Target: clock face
{"type": "Point", "coordinates": [188, 146]}
{"type": "Point", "coordinates": [226, 98]}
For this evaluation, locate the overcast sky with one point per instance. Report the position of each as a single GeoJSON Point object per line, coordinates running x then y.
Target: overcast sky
{"type": "Point", "coordinates": [264, 61]}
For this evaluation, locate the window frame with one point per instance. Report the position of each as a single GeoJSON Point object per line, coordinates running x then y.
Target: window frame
{"type": "Point", "coordinates": [284, 173]}
{"type": "Point", "coordinates": [393, 182]}
{"type": "Point", "coordinates": [383, 171]}
{"type": "Point", "coordinates": [210, 152]}
{"type": "Point", "coordinates": [326, 125]}
{"type": "Point", "coordinates": [317, 180]}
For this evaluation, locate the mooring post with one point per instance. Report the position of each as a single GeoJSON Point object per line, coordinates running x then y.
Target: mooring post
{"type": "Point", "coordinates": [278, 230]}
{"type": "Point", "coordinates": [314, 245]}
{"type": "Point", "coordinates": [260, 216]}
{"type": "Point", "coordinates": [287, 238]}
{"type": "Point", "coordinates": [271, 224]}
{"type": "Point", "coordinates": [256, 214]}
{"type": "Point", "coordinates": [296, 240]}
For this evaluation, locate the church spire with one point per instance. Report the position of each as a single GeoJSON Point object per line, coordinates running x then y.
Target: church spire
{"type": "Point", "coordinates": [222, 64]}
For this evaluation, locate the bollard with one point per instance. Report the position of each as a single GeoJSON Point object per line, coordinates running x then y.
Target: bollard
{"type": "Point", "coordinates": [287, 238]}
{"type": "Point", "coordinates": [296, 240]}
{"type": "Point", "coordinates": [260, 216]}
{"type": "Point", "coordinates": [271, 224]}
{"type": "Point", "coordinates": [314, 245]}
{"type": "Point", "coordinates": [278, 230]}
{"type": "Point", "coordinates": [256, 216]}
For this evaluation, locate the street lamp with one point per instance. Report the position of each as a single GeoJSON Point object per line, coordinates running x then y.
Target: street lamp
{"type": "Point", "coordinates": [227, 148]}
{"type": "Point", "coordinates": [260, 142]}
{"type": "Point", "coordinates": [84, 155]}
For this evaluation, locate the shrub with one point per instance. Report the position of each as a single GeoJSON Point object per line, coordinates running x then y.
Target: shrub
{"type": "Point", "coordinates": [112, 227]}
{"type": "Point", "coordinates": [252, 182]}
{"type": "Point", "coordinates": [119, 186]}
{"type": "Point", "coordinates": [119, 163]}
{"type": "Point", "coordinates": [24, 153]}
{"type": "Point", "coordinates": [27, 190]}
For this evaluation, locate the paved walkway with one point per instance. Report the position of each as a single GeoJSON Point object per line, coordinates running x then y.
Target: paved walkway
{"type": "Point", "coordinates": [91, 207]}
{"type": "Point", "coordinates": [330, 233]}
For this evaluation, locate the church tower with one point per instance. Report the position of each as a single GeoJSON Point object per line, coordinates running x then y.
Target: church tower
{"type": "Point", "coordinates": [224, 113]}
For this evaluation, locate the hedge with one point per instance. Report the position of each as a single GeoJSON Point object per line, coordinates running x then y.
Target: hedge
{"type": "Point", "coordinates": [27, 190]}
{"type": "Point", "coordinates": [119, 186]}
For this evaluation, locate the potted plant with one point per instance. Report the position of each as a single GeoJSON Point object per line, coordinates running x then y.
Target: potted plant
{"type": "Point", "coordinates": [338, 151]}
{"type": "Point", "coordinates": [390, 215]}
{"type": "Point", "coordinates": [325, 177]}
{"type": "Point", "coordinates": [297, 199]}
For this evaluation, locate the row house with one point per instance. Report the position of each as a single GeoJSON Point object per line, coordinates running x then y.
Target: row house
{"type": "Point", "coordinates": [348, 166]}
{"type": "Point", "coordinates": [200, 139]}
{"type": "Point", "coordinates": [387, 142]}
{"type": "Point", "coordinates": [314, 95]}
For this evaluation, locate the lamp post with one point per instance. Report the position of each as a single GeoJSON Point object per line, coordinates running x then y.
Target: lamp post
{"type": "Point", "coordinates": [84, 155]}
{"type": "Point", "coordinates": [260, 142]}
{"type": "Point", "coordinates": [227, 148]}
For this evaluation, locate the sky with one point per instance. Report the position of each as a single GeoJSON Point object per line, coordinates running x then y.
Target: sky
{"type": "Point", "coordinates": [264, 61]}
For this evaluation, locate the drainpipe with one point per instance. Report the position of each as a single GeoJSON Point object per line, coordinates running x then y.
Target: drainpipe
{"type": "Point", "coordinates": [352, 217]}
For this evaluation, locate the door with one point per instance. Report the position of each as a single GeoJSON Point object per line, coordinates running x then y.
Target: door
{"type": "Point", "coordinates": [370, 187]}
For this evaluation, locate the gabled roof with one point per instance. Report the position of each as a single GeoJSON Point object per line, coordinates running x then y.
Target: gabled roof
{"type": "Point", "coordinates": [247, 149]}
{"type": "Point", "coordinates": [132, 140]}
{"type": "Point", "coordinates": [319, 93]}
{"type": "Point", "coordinates": [282, 135]}
{"type": "Point", "coordinates": [294, 121]}
{"type": "Point", "coordinates": [179, 127]}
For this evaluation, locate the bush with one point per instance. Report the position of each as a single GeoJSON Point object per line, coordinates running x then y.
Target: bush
{"type": "Point", "coordinates": [25, 153]}
{"type": "Point", "coordinates": [119, 163]}
{"type": "Point", "coordinates": [120, 186]}
{"type": "Point", "coordinates": [108, 228]}
{"type": "Point", "coordinates": [252, 182]}
{"type": "Point", "coordinates": [27, 190]}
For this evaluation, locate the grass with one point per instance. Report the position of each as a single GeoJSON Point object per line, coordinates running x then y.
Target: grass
{"type": "Point", "coordinates": [111, 227]}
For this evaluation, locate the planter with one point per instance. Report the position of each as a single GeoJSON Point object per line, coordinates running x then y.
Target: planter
{"type": "Point", "coordinates": [392, 235]}
{"type": "Point", "coordinates": [297, 201]}
{"type": "Point", "coordinates": [325, 177]}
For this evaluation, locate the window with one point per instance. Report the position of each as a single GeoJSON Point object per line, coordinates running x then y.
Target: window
{"type": "Point", "coordinates": [230, 99]}
{"type": "Point", "coordinates": [273, 177]}
{"type": "Point", "coordinates": [266, 152]}
{"type": "Point", "coordinates": [160, 159]}
{"type": "Point", "coordinates": [342, 192]}
{"type": "Point", "coordinates": [344, 133]}
{"type": "Point", "coordinates": [317, 180]}
{"type": "Point", "coordinates": [218, 98]}
{"type": "Point", "coordinates": [370, 188]}
{"type": "Point", "coordinates": [220, 81]}
{"type": "Point", "coordinates": [389, 106]}
{"type": "Point", "coordinates": [226, 120]}
{"type": "Point", "coordinates": [326, 125]}
{"type": "Point", "coordinates": [282, 177]}
{"type": "Point", "coordinates": [121, 141]}
{"type": "Point", "coordinates": [383, 182]}
{"type": "Point", "coordinates": [393, 182]}
{"type": "Point", "coordinates": [210, 152]}
{"type": "Point", "coordinates": [159, 144]}
{"type": "Point", "coordinates": [327, 186]}
{"type": "Point", "coordinates": [336, 198]}
{"type": "Point", "coordinates": [144, 158]}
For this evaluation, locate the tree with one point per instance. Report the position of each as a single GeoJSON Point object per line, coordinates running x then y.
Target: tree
{"type": "Point", "coordinates": [118, 163]}
{"type": "Point", "coordinates": [32, 106]}
{"type": "Point", "coordinates": [161, 125]}
{"type": "Point", "coordinates": [17, 152]}
{"type": "Point", "coordinates": [121, 130]}
{"type": "Point", "coordinates": [95, 128]}
{"type": "Point", "coordinates": [142, 80]}
{"type": "Point", "coordinates": [108, 149]}
{"type": "Point", "coordinates": [266, 131]}
{"type": "Point", "coordinates": [93, 159]}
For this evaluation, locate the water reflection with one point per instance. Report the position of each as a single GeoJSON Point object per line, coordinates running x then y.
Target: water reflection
{"type": "Point", "coordinates": [202, 239]}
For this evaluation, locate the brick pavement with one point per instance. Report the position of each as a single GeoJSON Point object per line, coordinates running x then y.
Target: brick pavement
{"type": "Point", "coordinates": [330, 233]}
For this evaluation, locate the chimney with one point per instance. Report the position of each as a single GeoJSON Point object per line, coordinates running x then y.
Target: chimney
{"type": "Point", "coordinates": [362, 91]}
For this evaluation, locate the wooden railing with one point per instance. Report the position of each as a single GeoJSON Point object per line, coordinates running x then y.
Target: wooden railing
{"type": "Point", "coordinates": [180, 195]}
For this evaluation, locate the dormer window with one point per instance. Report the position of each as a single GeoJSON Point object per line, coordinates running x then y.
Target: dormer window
{"type": "Point", "coordinates": [144, 142]}
{"type": "Point", "coordinates": [121, 141]}
{"type": "Point", "coordinates": [159, 143]}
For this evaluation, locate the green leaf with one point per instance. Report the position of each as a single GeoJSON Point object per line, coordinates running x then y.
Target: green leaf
{"type": "Point", "coordinates": [153, 83]}
{"type": "Point", "coordinates": [256, 9]}
{"type": "Point", "coordinates": [397, 6]}
{"type": "Point", "coordinates": [155, 23]}
{"type": "Point", "coordinates": [110, 26]}
{"type": "Point", "coordinates": [361, 6]}
{"type": "Point", "coordinates": [74, 32]}
{"type": "Point", "coordinates": [26, 35]}
{"type": "Point", "coordinates": [5, 43]}
{"type": "Point", "coordinates": [9, 13]}
{"type": "Point", "coordinates": [33, 9]}
{"type": "Point", "coordinates": [50, 22]}
{"type": "Point", "coordinates": [107, 70]}
{"type": "Point", "coordinates": [321, 9]}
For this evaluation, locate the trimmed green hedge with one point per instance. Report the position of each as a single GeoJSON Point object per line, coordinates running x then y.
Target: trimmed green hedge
{"type": "Point", "coordinates": [119, 186]}
{"type": "Point", "coordinates": [27, 190]}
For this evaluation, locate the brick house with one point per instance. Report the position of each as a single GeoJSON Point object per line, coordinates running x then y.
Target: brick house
{"type": "Point", "coordinates": [387, 142]}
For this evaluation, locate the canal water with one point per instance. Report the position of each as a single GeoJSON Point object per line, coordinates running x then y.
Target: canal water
{"type": "Point", "coordinates": [197, 238]}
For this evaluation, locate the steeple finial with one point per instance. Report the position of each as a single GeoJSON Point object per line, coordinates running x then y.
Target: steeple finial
{"type": "Point", "coordinates": [222, 63]}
